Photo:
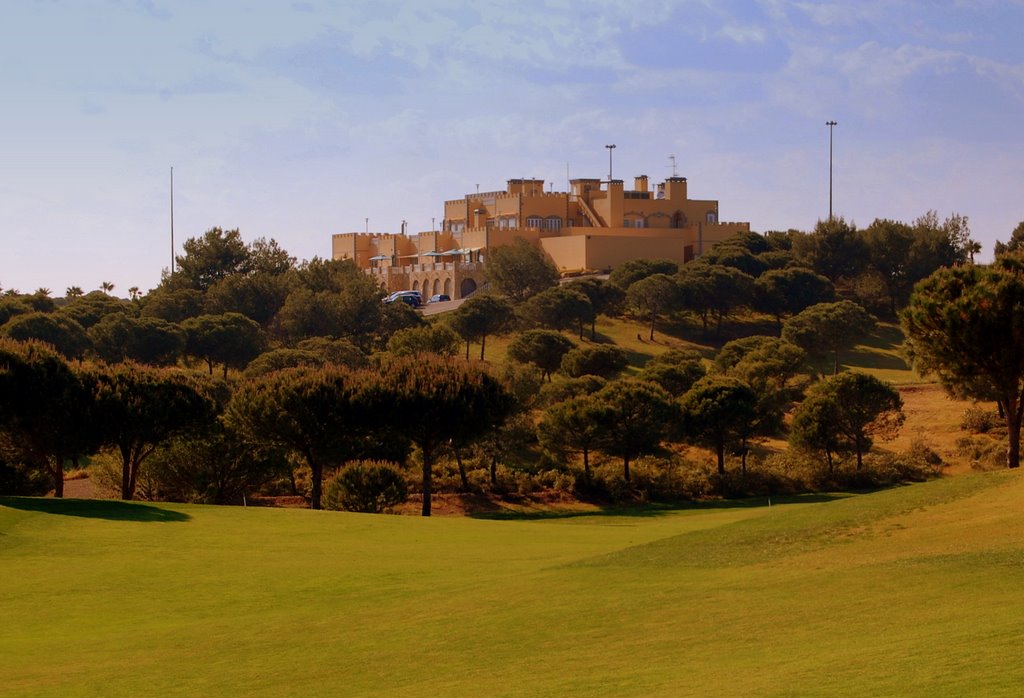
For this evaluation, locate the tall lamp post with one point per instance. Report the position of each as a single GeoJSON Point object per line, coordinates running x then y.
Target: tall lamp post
{"type": "Point", "coordinates": [172, 221]}
{"type": "Point", "coordinates": [830, 125]}
{"type": "Point", "coordinates": [610, 149]}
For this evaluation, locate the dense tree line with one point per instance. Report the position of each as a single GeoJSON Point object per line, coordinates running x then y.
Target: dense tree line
{"type": "Point", "coordinates": [245, 366]}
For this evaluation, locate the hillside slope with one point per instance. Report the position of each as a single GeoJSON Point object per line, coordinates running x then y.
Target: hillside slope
{"type": "Point", "coordinates": [910, 591]}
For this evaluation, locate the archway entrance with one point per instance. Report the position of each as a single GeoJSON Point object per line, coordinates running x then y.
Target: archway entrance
{"type": "Point", "coordinates": [467, 287]}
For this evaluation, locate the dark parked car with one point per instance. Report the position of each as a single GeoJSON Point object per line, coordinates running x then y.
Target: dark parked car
{"type": "Point", "coordinates": [413, 298]}
{"type": "Point", "coordinates": [440, 297]}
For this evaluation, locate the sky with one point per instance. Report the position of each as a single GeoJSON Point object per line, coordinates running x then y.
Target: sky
{"type": "Point", "coordinates": [298, 120]}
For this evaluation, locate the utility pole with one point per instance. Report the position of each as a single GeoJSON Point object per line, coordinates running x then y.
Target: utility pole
{"type": "Point", "coordinates": [830, 125]}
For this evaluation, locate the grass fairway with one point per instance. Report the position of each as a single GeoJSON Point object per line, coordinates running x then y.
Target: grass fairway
{"type": "Point", "coordinates": [914, 591]}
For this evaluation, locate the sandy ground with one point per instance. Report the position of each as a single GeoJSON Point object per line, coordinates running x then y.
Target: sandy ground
{"type": "Point", "coordinates": [81, 488]}
{"type": "Point", "coordinates": [933, 418]}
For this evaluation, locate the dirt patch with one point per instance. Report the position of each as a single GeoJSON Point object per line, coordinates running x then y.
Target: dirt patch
{"type": "Point", "coordinates": [475, 503]}
{"type": "Point", "coordinates": [933, 418]}
{"type": "Point", "coordinates": [286, 501]}
{"type": "Point", "coordinates": [80, 488]}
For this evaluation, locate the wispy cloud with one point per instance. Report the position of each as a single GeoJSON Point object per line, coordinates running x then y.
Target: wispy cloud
{"type": "Point", "coordinates": [302, 118]}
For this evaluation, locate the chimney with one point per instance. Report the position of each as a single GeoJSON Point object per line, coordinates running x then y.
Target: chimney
{"type": "Point", "coordinates": [675, 188]}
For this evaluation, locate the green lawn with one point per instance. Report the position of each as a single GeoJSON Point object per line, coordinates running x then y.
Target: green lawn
{"type": "Point", "coordinates": [913, 591]}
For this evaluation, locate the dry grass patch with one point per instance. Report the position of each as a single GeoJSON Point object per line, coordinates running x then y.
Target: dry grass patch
{"type": "Point", "coordinates": [933, 418]}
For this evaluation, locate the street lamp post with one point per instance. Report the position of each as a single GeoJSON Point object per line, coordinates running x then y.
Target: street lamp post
{"type": "Point", "coordinates": [830, 125]}
{"type": "Point", "coordinates": [610, 149]}
{"type": "Point", "coordinates": [172, 221]}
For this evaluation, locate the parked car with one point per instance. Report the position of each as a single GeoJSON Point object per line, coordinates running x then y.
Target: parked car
{"type": "Point", "coordinates": [413, 298]}
{"type": "Point", "coordinates": [440, 298]}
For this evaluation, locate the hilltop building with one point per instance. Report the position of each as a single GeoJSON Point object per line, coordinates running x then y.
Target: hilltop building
{"type": "Point", "coordinates": [595, 226]}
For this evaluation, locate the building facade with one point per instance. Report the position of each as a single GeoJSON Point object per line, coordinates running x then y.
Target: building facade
{"type": "Point", "coordinates": [595, 226]}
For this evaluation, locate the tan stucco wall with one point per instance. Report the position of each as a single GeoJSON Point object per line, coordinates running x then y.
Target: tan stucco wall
{"type": "Point", "coordinates": [568, 253]}
{"type": "Point", "coordinates": [608, 251]}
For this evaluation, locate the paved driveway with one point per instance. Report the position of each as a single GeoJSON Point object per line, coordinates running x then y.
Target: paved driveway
{"type": "Point", "coordinates": [442, 307]}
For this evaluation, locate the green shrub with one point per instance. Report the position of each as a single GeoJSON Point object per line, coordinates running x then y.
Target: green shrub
{"type": "Point", "coordinates": [653, 479]}
{"type": "Point", "coordinates": [923, 455]}
{"type": "Point", "coordinates": [978, 420]}
{"type": "Point", "coordinates": [366, 486]}
{"type": "Point", "coordinates": [23, 481]}
{"type": "Point", "coordinates": [984, 452]}
{"type": "Point", "coordinates": [603, 360]}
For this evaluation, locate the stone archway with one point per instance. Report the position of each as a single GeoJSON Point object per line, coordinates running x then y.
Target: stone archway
{"type": "Point", "coordinates": [467, 287]}
{"type": "Point", "coordinates": [448, 286]}
{"type": "Point", "coordinates": [437, 287]}
{"type": "Point", "coordinates": [416, 285]}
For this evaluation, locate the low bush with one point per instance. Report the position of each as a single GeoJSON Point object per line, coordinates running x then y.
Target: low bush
{"type": "Point", "coordinates": [16, 480]}
{"type": "Point", "coordinates": [978, 420]}
{"type": "Point", "coordinates": [984, 452]}
{"type": "Point", "coordinates": [366, 486]}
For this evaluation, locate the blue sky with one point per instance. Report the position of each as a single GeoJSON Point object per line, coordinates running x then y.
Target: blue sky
{"type": "Point", "coordinates": [296, 120]}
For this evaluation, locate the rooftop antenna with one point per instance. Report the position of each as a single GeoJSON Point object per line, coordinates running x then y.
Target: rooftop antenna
{"type": "Point", "coordinates": [672, 159]}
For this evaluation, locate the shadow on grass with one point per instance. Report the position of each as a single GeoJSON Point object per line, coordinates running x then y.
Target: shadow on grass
{"type": "Point", "coordinates": [867, 359]}
{"type": "Point", "coordinates": [654, 510]}
{"type": "Point", "coordinates": [112, 510]}
{"type": "Point", "coordinates": [882, 349]}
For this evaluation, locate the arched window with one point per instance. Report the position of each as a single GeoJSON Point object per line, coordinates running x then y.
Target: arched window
{"type": "Point", "coordinates": [553, 223]}
{"type": "Point", "coordinates": [534, 221]}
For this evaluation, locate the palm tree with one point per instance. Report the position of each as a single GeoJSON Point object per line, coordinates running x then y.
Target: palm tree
{"type": "Point", "coordinates": [973, 248]}
{"type": "Point", "coordinates": [134, 293]}
{"type": "Point", "coordinates": [43, 291]}
{"type": "Point", "coordinates": [74, 292]}
{"type": "Point", "coordinates": [106, 287]}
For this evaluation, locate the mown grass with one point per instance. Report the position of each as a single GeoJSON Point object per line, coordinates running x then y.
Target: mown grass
{"type": "Point", "coordinates": [913, 591]}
